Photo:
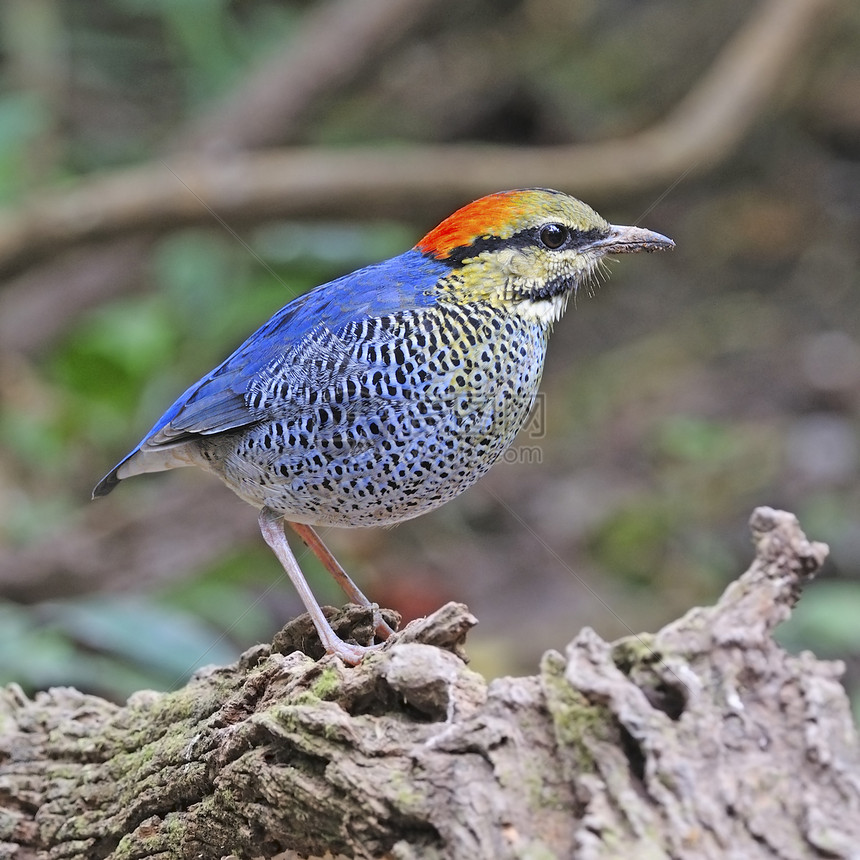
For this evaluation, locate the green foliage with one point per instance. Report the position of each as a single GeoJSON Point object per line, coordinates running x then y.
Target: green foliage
{"type": "Point", "coordinates": [229, 595]}
{"type": "Point", "coordinates": [827, 616]}
{"type": "Point", "coordinates": [169, 643]}
{"type": "Point", "coordinates": [342, 245]}
{"type": "Point", "coordinates": [826, 622]}
{"type": "Point", "coordinates": [634, 542]}
{"type": "Point", "coordinates": [110, 354]}
{"type": "Point", "coordinates": [110, 645]}
{"type": "Point", "coordinates": [23, 119]}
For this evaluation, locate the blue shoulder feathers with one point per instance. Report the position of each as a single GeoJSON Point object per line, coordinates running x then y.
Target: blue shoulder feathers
{"type": "Point", "coordinates": [218, 402]}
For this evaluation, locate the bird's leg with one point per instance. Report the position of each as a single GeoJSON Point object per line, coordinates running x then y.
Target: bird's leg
{"type": "Point", "coordinates": [272, 527]}
{"type": "Point", "coordinates": [314, 543]}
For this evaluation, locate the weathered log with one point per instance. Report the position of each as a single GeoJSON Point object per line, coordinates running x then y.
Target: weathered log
{"type": "Point", "coordinates": [704, 740]}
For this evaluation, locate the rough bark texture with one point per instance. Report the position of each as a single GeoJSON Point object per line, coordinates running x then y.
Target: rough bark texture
{"type": "Point", "coordinates": [705, 740]}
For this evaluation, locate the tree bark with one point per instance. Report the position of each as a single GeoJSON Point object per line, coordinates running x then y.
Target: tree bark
{"type": "Point", "coordinates": [704, 740]}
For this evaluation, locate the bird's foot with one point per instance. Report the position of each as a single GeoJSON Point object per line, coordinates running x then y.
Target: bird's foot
{"type": "Point", "coordinates": [350, 653]}
{"type": "Point", "coordinates": [348, 632]}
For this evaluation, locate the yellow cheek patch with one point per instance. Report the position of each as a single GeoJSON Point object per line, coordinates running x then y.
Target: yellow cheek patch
{"type": "Point", "coordinates": [528, 282]}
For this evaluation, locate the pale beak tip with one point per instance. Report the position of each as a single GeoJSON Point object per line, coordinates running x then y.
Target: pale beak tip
{"type": "Point", "coordinates": [665, 242]}
{"type": "Point", "coordinates": [630, 240]}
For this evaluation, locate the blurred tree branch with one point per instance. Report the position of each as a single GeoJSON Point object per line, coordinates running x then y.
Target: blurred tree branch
{"type": "Point", "coordinates": [336, 42]}
{"type": "Point", "coordinates": [703, 740]}
{"type": "Point", "coordinates": [701, 130]}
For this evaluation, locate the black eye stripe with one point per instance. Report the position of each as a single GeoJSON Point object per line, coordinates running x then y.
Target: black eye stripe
{"type": "Point", "coordinates": [572, 240]}
{"type": "Point", "coordinates": [524, 239]}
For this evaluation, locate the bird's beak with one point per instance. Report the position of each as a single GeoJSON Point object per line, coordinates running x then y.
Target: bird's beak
{"type": "Point", "coordinates": [629, 240]}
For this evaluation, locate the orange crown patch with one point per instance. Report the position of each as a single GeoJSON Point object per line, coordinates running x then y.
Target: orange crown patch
{"type": "Point", "coordinates": [484, 217]}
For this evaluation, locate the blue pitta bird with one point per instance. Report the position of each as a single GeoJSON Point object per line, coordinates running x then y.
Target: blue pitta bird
{"type": "Point", "coordinates": [383, 394]}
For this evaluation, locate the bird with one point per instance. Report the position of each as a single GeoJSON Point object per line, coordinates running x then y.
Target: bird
{"type": "Point", "coordinates": [383, 394]}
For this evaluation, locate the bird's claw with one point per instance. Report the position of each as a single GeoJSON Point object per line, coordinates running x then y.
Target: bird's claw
{"type": "Point", "coordinates": [351, 654]}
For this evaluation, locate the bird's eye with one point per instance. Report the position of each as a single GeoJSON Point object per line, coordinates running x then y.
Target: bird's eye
{"type": "Point", "coordinates": [553, 236]}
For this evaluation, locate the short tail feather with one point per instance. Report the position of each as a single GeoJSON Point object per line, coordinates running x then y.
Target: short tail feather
{"type": "Point", "coordinates": [112, 478]}
{"type": "Point", "coordinates": [144, 459]}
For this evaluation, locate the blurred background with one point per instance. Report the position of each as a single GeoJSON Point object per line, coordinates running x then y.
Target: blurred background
{"type": "Point", "coordinates": [689, 389]}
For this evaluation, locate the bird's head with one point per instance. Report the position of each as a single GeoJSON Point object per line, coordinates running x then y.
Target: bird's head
{"type": "Point", "coordinates": [529, 250]}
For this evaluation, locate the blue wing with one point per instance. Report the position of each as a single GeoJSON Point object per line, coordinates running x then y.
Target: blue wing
{"type": "Point", "coordinates": [218, 401]}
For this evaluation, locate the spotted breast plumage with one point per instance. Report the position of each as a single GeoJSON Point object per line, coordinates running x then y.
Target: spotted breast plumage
{"type": "Point", "coordinates": [385, 393]}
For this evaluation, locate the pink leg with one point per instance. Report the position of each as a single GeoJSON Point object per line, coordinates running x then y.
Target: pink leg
{"type": "Point", "coordinates": [272, 527]}
{"type": "Point", "coordinates": [341, 577]}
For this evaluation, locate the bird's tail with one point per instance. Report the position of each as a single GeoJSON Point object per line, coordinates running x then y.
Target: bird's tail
{"type": "Point", "coordinates": [144, 459]}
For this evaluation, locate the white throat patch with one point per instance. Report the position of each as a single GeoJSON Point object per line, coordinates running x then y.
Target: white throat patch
{"type": "Point", "coordinates": [545, 311]}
